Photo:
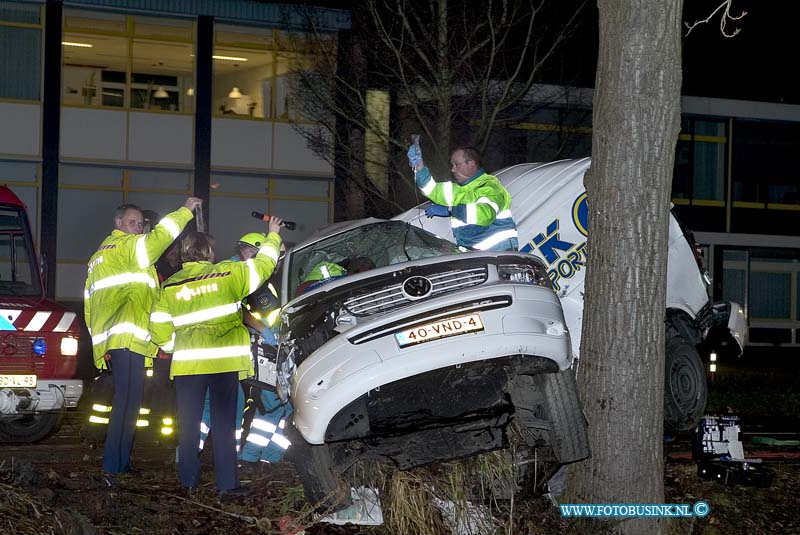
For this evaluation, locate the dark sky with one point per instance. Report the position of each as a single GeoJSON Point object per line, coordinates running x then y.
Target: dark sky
{"type": "Point", "coordinates": [760, 63]}
{"type": "Point", "coordinates": [757, 64]}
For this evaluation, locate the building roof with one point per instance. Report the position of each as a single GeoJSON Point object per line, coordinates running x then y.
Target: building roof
{"type": "Point", "coordinates": [256, 13]}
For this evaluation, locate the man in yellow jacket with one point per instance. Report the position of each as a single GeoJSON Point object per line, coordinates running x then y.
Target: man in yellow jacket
{"type": "Point", "coordinates": [198, 317]}
{"type": "Point", "coordinates": [120, 287]}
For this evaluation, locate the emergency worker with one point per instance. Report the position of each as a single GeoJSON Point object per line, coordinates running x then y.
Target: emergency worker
{"type": "Point", "coordinates": [246, 248]}
{"type": "Point", "coordinates": [478, 205]}
{"type": "Point", "coordinates": [322, 273]}
{"type": "Point", "coordinates": [120, 287]}
{"type": "Point", "coordinates": [265, 416]}
{"type": "Point", "coordinates": [198, 317]}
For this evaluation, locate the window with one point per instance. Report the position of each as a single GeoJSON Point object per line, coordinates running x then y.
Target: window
{"type": "Point", "coordinates": [548, 133]}
{"type": "Point", "coordinates": [20, 51]}
{"type": "Point", "coordinates": [126, 61]}
{"type": "Point", "coordinates": [88, 195]}
{"type": "Point", "coordinates": [367, 246]}
{"type": "Point", "coordinates": [244, 71]}
{"type": "Point", "coordinates": [252, 73]}
{"type": "Point", "coordinates": [700, 160]}
{"type": "Point", "coordinates": [234, 197]}
{"type": "Point", "coordinates": [771, 295]}
{"type": "Point", "coordinates": [765, 162]}
{"type": "Point", "coordinates": [734, 276]}
{"type": "Point", "coordinates": [18, 267]}
{"type": "Point", "coordinates": [773, 279]}
{"type": "Point", "coordinates": [766, 282]}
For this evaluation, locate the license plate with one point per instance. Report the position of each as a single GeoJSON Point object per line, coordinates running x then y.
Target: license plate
{"type": "Point", "coordinates": [18, 381]}
{"type": "Point", "coordinates": [439, 329]}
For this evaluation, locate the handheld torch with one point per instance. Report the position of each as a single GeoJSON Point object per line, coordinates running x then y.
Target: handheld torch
{"type": "Point", "coordinates": [291, 225]}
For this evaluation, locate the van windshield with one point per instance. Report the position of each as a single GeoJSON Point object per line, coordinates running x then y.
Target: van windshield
{"type": "Point", "coordinates": [360, 249]}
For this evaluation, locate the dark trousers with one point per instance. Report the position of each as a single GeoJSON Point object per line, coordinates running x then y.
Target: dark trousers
{"type": "Point", "coordinates": [159, 395]}
{"type": "Point", "coordinates": [127, 371]}
{"type": "Point", "coordinates": [190, 392]}
{"type": "Point", "coordinates": [511, 244]}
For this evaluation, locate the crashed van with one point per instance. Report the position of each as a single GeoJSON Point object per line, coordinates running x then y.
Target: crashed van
{"type": "Point", "coordinates": [550, 208]}
{"type": "Point", "coordinates": [396, 346]}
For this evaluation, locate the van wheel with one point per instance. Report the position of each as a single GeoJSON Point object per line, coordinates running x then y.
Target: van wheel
{"type": "Point", "coordinates": [549, 416]}
{"type": "Point", "coordinates": [28, 429]}
{"type": "Point", "coordinates": [685, 387]}
{"type": "Point", "coordinates": [547, 406]}
{"type": "Point", "coordinates": [323, 487]}
{"type": "Point", "coordinates": [569, 435]}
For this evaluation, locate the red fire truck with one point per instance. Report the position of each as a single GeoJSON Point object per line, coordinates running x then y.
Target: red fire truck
{"type": "Point", "coordinates": [38, 337]}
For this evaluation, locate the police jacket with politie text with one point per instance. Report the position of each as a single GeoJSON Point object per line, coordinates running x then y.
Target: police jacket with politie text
{"type": "Point", "coordinates": [197, 315]}
{"type": "Point", "coordinates": [480, 208]}
{"type": "Point", "coordinates": [121, 285]}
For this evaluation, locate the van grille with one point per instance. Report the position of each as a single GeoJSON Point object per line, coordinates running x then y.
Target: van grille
{"type": "Point", "coordinates": [392, 297]}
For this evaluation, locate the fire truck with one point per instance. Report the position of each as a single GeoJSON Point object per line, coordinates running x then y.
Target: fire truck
{"type": "Point", "coordinates": [38, 337]}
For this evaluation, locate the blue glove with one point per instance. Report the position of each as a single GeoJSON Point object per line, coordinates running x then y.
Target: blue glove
{"type": "Point", "coordinates": [414, 156]}
{"type": "Point", "coordinates": [437, 210]}
{"type": "Point", "coordinates": [269, 336]}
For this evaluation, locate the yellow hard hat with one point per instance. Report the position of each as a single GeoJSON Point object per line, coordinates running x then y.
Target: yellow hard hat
{"type": "Point", "coordinates": [253, 239]}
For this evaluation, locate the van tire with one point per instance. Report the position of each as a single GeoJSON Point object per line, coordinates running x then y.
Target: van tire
{"type": "Point", "coordinates": [569, 433]}
{"type": "Point", "coordinates": [685, 385]}
{"type": "Point", "coordinates": [548, 410]}
{"type": "Point", "coordinates": [29, 429]}
{"type": "Point", "coordinates": [323, 487]}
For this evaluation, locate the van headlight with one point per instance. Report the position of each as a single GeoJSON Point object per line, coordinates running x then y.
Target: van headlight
{"type": "Point", "coordinates": [69, 346]}
{"type": "Point", "coordinates": [523, 274]}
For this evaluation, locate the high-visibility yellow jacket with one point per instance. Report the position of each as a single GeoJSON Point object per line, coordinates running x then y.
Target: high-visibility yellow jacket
{"type": "Point", "coordinates": [121, 285]}
{"type": "Point", "coordinates": [480, 208]}
{"type": "Point", "coordinates": [197, 315]}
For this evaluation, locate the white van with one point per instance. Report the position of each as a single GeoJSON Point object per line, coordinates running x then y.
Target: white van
{"type": "Point", "coordinates": [398, 347]}
{"type": "Point", "coordinates": [549, 204]}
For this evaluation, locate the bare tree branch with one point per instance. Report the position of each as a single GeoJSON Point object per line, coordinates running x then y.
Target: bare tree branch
{"type": "Point", "coordinates": [446, 65]}
{"type": "Point", "coordinates": [726, 16]}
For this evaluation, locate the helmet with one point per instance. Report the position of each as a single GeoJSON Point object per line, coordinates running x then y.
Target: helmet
{"type": "Point", "coordinates": [253, 239]}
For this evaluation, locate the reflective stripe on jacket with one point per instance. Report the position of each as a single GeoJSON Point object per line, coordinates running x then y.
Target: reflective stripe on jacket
{"type": "Point", "coordinates": [481, 208]}
{"type": "Point", "coordinates": [197, 315]}
{"type": "Point", "coordinates": [121, 285]}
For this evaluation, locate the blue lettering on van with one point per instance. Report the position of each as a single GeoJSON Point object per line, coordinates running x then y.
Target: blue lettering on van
{"type": "Point", "coordinates": [573, 259]}
{"type": "Point", "coordinates": [568, 267]}
{"type": "Point", "coordinates": [550, 243]}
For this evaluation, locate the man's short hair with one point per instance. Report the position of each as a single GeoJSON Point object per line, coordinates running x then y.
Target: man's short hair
{"type": "Point", "coordinates": [197, 247]}
{"type": "Point", "coordinates": [471, 153]}
{"type": "Point", "coordinates": [119, 213]}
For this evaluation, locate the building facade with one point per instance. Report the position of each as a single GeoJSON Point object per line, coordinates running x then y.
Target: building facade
{"type": "Point", "coordinates": [137, 101]}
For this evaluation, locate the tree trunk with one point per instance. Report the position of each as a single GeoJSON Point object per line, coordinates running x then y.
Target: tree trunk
{"type": "Point", "coordinates": [445, 86]}
{"type": "Point", "coordinates": [356, 185]}
{"type": "Point", "coordinates": [636, 124]}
